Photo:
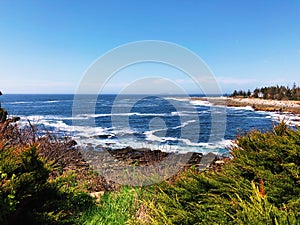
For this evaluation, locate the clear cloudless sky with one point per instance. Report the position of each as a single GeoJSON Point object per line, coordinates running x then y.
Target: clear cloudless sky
{"type": "Point", "coordinates": [46, 46]}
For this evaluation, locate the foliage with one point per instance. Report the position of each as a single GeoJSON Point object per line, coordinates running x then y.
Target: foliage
{"type": "Point", "coordinates": [272, 92]}
{"type": "Point", "coordinates": [260, 185]}
{"type": "Point", "coordinates": [36, 188]}
{"type": "Point", "coordinates": [43, 181]}
{"type": "Point", "coordinates": [23, 175]}
{"type": "Point", "coordinates": [115, 207]}
{"type": "Point", "coordinates": [241, 93]}
{"type": "Point", "coordinates": [258, 210]}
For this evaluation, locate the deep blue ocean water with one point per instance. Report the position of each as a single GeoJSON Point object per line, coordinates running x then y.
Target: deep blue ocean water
{"type": "Point", "coordinates": [168, 123]}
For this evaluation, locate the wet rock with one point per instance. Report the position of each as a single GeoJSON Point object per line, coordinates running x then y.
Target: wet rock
{"type": "Point", "coordinates": [195, 158]}
{"type": "Point", "coordinates": [71, 143]}
{"type": "Point", "coordinates": [15, 119]}
{"type": "Point", "coordinates": [141, 156]}
{"type": "Point", "coordinates": [104, 136]}
{"type": "Point", "coordinates": [3, 115]}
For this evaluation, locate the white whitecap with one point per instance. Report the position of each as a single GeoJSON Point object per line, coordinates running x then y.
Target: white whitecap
{"type": "Point", "coordinates": [200, 102]}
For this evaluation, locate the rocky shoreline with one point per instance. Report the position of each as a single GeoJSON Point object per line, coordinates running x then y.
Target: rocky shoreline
{"type": "Point", "coordinates": [109, 159]}
{"type": "Point", "coordinates": [256, 103]}
{"type": "Point", "coordinates": [143, 157]}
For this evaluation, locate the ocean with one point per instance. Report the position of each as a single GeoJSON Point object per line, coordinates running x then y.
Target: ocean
{"type": "Point", "coordinates": [167, 123]}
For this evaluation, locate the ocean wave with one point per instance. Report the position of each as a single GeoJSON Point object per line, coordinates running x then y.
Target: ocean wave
{"type": "Point", "coordinates": [241, 108]}
{"type": "Point", "coordinates": [191, 101]}
{"type": "Point", "coordinates": [54, 101]}
{"type": "Point", "coordinates": [289, 118]}
{"type": "Point", "coordinates": [121, 114]}
{"type": "Point", "coordinates": [150, 136]}
{"type": "Point", "coordinates": [77, 130]}
{"type": "Point", "coordinates": [180, 99]}
{"type": "Point", "coordinates": [200, 103]}
{"type": "Point", "coordinates": [37, 118]}
{"type": "Point", "coordinates": [13, 103]}
{"type": "Point", "coordinates": [184, 124]}
{"type": "Point", "coordinates": [88, 137]}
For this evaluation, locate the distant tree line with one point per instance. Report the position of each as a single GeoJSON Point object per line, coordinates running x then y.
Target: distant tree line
{"type": "Point", "coordinates": [241, 93]}
{"type": "Point", "coordinates": [272, 92]}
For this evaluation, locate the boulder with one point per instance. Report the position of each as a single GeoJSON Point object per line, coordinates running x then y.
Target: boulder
{"type": "Point", "coordinates": [3, 115]}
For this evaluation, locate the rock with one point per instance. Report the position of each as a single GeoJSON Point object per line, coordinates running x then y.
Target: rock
{"type": "Point", "coordinates": [206, 161]}
{"type": "Point", "coordinates": [104, 136]}
{"type": "Point", "coordinates": [3, 115]}
{"type": "Point", "coordinates": [71, 143]}
{"type": "Point", "coordinates": [142, 156]}
{"type": "Point", "coordinates": [13, 120]}
{"type": "Point", "coordinates": [195, 158]}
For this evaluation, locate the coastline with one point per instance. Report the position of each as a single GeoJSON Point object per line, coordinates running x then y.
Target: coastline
{"type": "Point", "coordinates": [257, 104]}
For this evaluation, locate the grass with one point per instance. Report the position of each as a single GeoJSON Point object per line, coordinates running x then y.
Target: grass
{"type": "Point", "coordinates": [114, 208]}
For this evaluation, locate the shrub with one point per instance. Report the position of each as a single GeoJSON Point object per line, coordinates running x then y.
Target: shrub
{"type": "Point", "coordinates": [23, 175]}
{"type": "Point", "coordinates": [43, 180]}
{"type": "Point", "coordinates": [260, 185]}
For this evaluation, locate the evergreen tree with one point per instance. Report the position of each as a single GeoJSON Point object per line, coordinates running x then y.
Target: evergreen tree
{"type": "Point", "coordinates": [234, 93]}
{"type": "Point", "coordinates": [294, 92]}
{"type": "Point", "coordinates": [255, 93]}
{"type": "Point", "coordinates": [248, 93]}
{"type": "Point", "coordinates": [272, 92]}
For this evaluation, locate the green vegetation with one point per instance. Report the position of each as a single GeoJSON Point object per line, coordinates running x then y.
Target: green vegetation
{"type": "Point", "coordinates": [30, 193]}
{"type": "Point", "coordinates": [44, 180]}
{"type": "Point", "coordinates": [272, 92]}
{"type": "Point", "coordinates": [241, 93]}
{"type": "Point", "coordinates": [41, 183]}
{"type": "Point", "coordinates": [260, 185]}
{"type": "Point", "coordinates": [114, 207]}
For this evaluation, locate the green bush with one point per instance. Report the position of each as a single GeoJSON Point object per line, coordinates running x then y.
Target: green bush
{"type": "Point", "coordinates": [32, 191]}
{"type": "Point", "coordinates": [258, 210]}
{"type": "Point", "coordinates": [41, 184]}
{"type": "Point", "coordinates": [259, 185]}
{"type": "Point", "coordinates": [22, 175]}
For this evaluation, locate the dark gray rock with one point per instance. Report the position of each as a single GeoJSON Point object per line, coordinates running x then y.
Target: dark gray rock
{"type": "Point", "coordinates": [3, 115]}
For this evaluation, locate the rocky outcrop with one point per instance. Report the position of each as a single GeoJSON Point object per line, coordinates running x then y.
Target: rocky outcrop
{"type": "Point", "coordinates": [256, 103]}
{"type": "Point", "coordinates": [144, 157]}
{"type": "Point", "coordinates": [3, 115]}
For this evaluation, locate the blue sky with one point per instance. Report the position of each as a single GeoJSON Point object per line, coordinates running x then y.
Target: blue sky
{"type": "Point", "coordinates": [46, 46]}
